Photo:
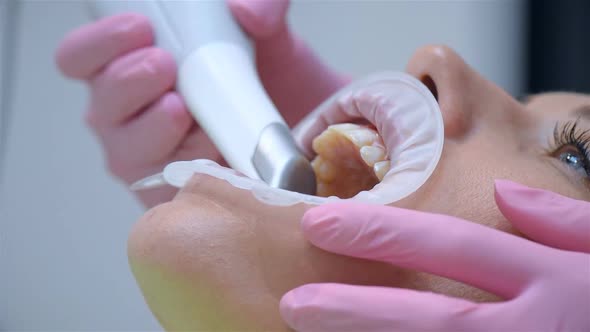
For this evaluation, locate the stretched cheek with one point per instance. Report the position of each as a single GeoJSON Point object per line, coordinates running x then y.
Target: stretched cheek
{"type": "Point", "coordinates": [470, 171]}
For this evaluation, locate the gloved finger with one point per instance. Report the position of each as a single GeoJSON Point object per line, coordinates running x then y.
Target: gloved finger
{"type": "Point", "coordinates": [85, 51]}
{"type": "Point", "coordinates": [339, 307]}
{"type": "Point", "coordinates": [155, 134]}
{"type": "Point", "coordinates": [494, 261]}
{"type": "Point", "coordinates": [261, 18]}
{"type": "Point", "coordinates": [544, 216]}
{"type": "Point", "coordinates": [131, 83]}
{"type": "Point", "coordinates": [295, 78]}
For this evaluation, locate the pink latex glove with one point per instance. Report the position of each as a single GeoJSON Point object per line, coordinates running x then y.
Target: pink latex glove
{"type": "Point", "coordinates": [142, 123]}
{"type": "Point", "coordinates": [546, 286]}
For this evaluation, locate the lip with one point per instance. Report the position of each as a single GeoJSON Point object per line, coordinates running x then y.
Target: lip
{"type": "Point", "coordinates": [405, 114]}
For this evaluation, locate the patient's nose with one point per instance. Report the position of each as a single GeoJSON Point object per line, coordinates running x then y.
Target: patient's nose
{"type": "Point", "coordinates": [463, 95]}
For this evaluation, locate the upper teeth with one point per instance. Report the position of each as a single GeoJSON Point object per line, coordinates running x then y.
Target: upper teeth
{"type": "Point", "coordinates": [336, 148]}
{"type": "Point", "coordinates": [358, 135]}
{"type": "Point", "coordinates": [372, 154]}
{"type": "Point", "coordinates": [381, 169]}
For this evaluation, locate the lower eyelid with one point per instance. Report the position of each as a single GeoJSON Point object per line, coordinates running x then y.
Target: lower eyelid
{"type": "Point", "coordinates": [574, 178]}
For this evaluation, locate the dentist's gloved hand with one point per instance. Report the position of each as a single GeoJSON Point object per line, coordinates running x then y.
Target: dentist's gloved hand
{"type": "Point", "coordinates": [142, 123]}
{"type": "Point", "coordinates": [546, 286]}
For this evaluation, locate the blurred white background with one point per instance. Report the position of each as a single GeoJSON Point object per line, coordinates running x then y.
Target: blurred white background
{"type": "Point", "coordinates": [64, 221]}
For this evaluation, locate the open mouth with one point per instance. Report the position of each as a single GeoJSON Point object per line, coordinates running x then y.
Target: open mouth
{"type": "Point", "coordinates": [381, 159]}
{"type": "Point", "coordinates": [385, 156]}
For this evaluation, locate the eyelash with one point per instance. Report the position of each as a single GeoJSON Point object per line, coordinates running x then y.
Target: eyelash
{"type": "Point", "coordinates": [569, 134]}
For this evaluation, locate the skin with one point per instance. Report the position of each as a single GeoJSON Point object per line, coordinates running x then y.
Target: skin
{"type": "Point", "coordinates": [216, 258]}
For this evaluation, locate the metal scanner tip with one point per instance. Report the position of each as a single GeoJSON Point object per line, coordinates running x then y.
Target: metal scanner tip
{"type": "Point", "coordinates": [280, 163]}
{"type": "Point", "coordinates": [296, 175]}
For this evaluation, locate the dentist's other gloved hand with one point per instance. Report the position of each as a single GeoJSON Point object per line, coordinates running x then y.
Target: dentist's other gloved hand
{"type": "Point", "coordinates": [546, 285]}
{"type": "Point", "coordinates": [142, 123]}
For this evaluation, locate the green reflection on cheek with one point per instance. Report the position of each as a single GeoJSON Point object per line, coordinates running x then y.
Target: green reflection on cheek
{"type": "Point", "coordinates": [180, 305]}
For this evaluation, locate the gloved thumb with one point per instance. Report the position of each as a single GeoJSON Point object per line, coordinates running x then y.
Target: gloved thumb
{"type": "Point", "coordinates": [260, 18]}
{"type": "Point", "coordinates": [544, 216]}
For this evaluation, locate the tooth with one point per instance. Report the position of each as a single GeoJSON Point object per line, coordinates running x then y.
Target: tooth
{"type": "Point", "coordinates": [372, 154]}
{"type": "Point", "coordinates": [342, 127]}
{"type": "Point", "coordinates": [381, 168]}
{"type": "Point", "coordinates": [324, 169]}
{"type": "Point", "coordinates": [362, 137]}
{"type": "Point", "coordinates": [357, 134]}
{"type": "Point", "coordinates": [322, 190]}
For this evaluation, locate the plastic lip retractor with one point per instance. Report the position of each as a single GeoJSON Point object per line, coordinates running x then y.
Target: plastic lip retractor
{"type": "Point", "coordinates": [408, 119]}
{"type": "Point", "coordinates": [220, 85]}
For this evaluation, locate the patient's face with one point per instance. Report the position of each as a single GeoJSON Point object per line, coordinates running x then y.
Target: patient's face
{"type": "Point", "coordinates": [489, 135]}
{"type": "Point", "coordinates": [217, 244]}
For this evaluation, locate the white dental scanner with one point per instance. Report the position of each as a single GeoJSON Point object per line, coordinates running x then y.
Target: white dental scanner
{"type": "Point", "coordinates": [218, 80]}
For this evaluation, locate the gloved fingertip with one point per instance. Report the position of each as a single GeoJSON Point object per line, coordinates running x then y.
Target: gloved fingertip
{"type": "Point", "coordinates": [335, 226]}
{"type": "Point", "coordinates": [319, 222]}
{"type": "Point", "coordinates": [545, 216]}
{"type": "Point", "coordinates": [505, 184]}
{"type": "Point", "coordinates": [521, 204]}
{"type": "Point", "coordinates": [287, 308]}
{"type": "Point", "coordinates": [509, 187]}
{"type": "Point", "coordinates": [259, 18]}
{"type": "Point", "coordinates": [174, 106]}
{"type": "Point", "coordinates": [296, 304]}
{"type": "Point", "coordinates": [85, 50]}
{"type": "Point", "coordinates": [512, 194]}
{"type": "Point", "coordinates": [244, 15]}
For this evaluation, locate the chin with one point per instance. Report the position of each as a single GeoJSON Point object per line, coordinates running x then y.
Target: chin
{"type": "Point", "coordinates": [216, 258]}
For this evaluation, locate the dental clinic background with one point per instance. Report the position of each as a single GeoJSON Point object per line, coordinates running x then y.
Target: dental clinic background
{"type": "Point", "coordinates": [64, 221]}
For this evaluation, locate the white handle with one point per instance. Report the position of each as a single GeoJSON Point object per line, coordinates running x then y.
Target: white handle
{"type": "Point", "coordinates": [180, 27]}
{"type": "Point", "coordinates": [223, 92]}
{"type": "Point", "coordinates": [217, 75]}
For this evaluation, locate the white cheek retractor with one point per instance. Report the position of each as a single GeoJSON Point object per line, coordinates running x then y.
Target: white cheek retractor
{"type": "Point", "coordinates": [402, 109]}
{"type": "Point", "coordinates": [218, 80]}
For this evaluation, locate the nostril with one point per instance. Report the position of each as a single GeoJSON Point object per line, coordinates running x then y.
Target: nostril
{"type": "Point", "coordinates": [429, 82]}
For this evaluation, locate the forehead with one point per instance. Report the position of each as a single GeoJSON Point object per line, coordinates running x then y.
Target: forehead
{"type": "Point", "coordinates": [559, 104]}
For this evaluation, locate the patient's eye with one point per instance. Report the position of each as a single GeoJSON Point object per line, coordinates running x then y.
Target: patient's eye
{"type": "Point", "coordinates": [572, 147]}
{"type": "Point", "coordinates": [574, 159]}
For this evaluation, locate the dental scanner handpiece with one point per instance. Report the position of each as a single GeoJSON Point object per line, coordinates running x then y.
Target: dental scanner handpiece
{"type": "Point", "coordinates": [218, 80]}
